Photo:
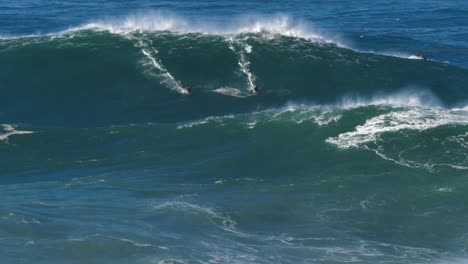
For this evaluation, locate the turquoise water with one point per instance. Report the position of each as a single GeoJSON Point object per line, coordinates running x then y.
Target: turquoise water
{"type": "Point", "coordinates": [352, 150]}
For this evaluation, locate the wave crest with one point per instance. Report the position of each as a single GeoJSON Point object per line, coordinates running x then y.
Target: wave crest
{"type": "Point", "coordinates": [156, 21]}
{"type": "Point", "coordinates": [406, 97]}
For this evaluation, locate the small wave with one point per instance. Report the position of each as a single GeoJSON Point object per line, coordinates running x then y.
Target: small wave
{"type": "Point", "coordinates": [461, 140]}
{"type": "Point", "coordinates": [20, 218]}
{"type": "Point", "coordinates": [413, 119]}
{"type": "Point", "coordinates": [454, 261]}
{"type": "Point", "coordinates": [210, 119]}
{"type": "Point", "coordinates": [297, 113]}
{"type": "Point", "coordinates": [132, 242]}
{"type": "Point", "coordinates": [325, 114]}
{"type": "Point", "coordinates": [369, 136]}
{"type": "Point", "coordinates": [121, 239]}
{"type": "Point", "coordinates": [395, 54]}
{"type": "Point", "coordinates": [225, 222]}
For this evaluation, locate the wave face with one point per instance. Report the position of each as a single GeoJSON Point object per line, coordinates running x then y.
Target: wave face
{"type": "Point", "coordinates": [136, 72]}
{"type": "Point", "coordinates": [291, 148]}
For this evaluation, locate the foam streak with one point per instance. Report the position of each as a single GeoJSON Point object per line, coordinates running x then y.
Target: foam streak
{"type": "Point", "coordinates": [243, 61]}
{"type": "Point", "coordinates": [149, 52]}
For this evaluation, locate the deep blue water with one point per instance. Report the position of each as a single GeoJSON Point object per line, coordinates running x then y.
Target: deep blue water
{"type": "Point", "coordinates": [314, 133]}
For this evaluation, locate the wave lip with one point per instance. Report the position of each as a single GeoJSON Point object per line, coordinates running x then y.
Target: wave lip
{"type": "Point", "coordinates": [158, 21]}
{"type": "Point", "coordinates": [297, 113]}
{"type": "Point", "coordinates": [403, 98]}
{"type": "Point", "coordinates": [165, 21]}
{"type": "Point", "coordinates": [143, 22]}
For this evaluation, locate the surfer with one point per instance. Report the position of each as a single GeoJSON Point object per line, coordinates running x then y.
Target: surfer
{"type": "Point", "coordinates": [189, 90]}
{"type": "Point", "coordinates": [255, 89]}
{"type": "Point", "coordinates": [419, 55]}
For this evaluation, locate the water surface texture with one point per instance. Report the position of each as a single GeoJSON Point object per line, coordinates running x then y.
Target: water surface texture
{"type": "Point", "coordinates": [353, 149]}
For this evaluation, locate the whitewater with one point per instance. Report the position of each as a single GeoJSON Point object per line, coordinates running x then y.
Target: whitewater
{"type": "Point", "coordinates": [313, 132]}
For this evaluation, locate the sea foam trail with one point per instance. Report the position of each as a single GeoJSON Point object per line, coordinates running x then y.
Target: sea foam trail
{"type": "Point", "coordinates": [230, 91]}
{"type": "Point", "coordinates": [150, 54]}
{"type": "Point", "coordinates": [224, 222]}
{"type": "Point", "coordinates": [243, 61]}
{"type": "Point", "coordinates": [9, 130]}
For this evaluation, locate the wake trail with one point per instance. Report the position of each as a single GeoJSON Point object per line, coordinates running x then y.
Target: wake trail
{"type": "Point", "coordinates": [243, 60]}
{"type": "Point", "coordinates": [9, 130]}
{"type": "Point", "coordinates": [150, 53]}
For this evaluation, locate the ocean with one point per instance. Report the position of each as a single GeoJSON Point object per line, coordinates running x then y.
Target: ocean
{"type": "Point", "coordinates": [315, 131]}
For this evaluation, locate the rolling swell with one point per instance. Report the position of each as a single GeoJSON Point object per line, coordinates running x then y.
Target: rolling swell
{"type": "Point", "coordinates": [98, 75]}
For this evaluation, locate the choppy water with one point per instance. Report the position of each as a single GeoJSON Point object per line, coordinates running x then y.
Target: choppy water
{"type": "Point", "coordinates": [352, 150]}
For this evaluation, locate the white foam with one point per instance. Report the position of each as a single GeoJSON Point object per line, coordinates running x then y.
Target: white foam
{"type": "Point", "coordinates": [9, 130]}
{"type": "Point", "coordinates": [374, 248]}
{"type": "Point", "coordinates": [173, 261]}
{"type": "Point", "coordinates": [225, 222]}
{"type": "Point", "coordinates": [158, 21]}
{"type": "Point", "coordinates": [220, 181]}
{"type": "Point", "coordinates": [444, 190]}
{"type": "Point", "coordinates": [30, 220]}
{"type": "Point", "coordinates": [229, 91]}
{"type": "Point", "coordinates": [164, 21]}
{"type": "Point", "coordinates": [397, 54]}
{"type": "Point", "coordinates": [414, 57]}
{"type": "Point", "coordinates": [368, 135]}
{"type": "Point", "coordinates": [454, 261]}
{"type": "Point", "coordinates": [30, 243]}
{"type": "Point", "coordinates": [243, 61]}
{"type": "Point", "coordinates": [266, 25]}
{"type": "Point", "coordinates": [412, 119]}
{"type": "Point", "coordinates": [298, 113]}
{"type": "Point", "coordinates": [217, 119]}
{"type": "Point", "coordinates": [461, 139]}
{"type": "Point", "coordinates": [168, 76]}
{"type": "Point", "coordinates": [126, 240]}
{"type": "Point", "coordinates": [251, 125]}
{"type": "Point", "coordinates": [132, 242]}
{"type": "Point", "coordinates": [248, 48]}
{"type": "Point", "coordinates": [150, 53]}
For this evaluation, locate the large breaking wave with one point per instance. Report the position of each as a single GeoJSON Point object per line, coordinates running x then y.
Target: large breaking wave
{"type": "Point", "coordinates": [142, 62]}
{"type": "Point", "coordinates": [135, 70]}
